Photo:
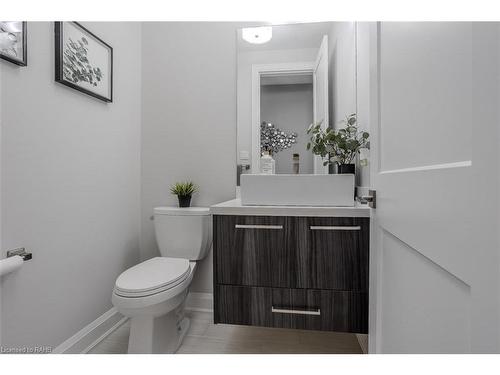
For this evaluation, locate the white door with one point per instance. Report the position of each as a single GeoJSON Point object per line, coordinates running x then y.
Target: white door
{"type": "Point", "coordinates": [435, 167]}
{"type": "Point", "coordinates": [320, 96]}
{"type": "Point", "coordinates": [1, 255]}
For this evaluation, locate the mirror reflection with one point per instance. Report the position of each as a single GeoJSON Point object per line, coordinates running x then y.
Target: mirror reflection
{"type": "Point", "coordinates": [289, 77]}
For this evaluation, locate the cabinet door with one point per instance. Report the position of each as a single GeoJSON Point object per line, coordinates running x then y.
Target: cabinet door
{"type": "Point", "coordinates": [251, 250]}
{"type": "Point", "coordinates": [332, 252]}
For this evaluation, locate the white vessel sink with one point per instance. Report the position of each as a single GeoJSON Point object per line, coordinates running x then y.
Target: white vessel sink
{"type": "Point", "coordinates": [297, 190]}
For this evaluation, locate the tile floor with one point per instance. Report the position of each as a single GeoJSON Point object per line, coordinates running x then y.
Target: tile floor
{"type": "Point", "coordinates": [204, 337]}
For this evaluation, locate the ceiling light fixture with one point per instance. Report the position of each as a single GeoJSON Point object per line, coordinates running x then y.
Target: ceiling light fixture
{"type": "Point", "coordinates": [257, 35]}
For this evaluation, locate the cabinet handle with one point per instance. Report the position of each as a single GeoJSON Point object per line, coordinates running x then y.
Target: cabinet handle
{"type": "Point", "coordinates": [296, 312]}
{"type": "Point", "coordinates": [253, 226]}
{"type": "Point", "coordinates": [325, 227]}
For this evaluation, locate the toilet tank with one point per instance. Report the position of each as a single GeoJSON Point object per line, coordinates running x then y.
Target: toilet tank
{"type": "Point", "coordinates": [183, 232]}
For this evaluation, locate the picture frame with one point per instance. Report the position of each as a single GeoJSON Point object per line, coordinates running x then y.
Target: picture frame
{"type": "Point", "coordinates": [83, 61]}
{"type": "Point", "coordinates": [14, 42]}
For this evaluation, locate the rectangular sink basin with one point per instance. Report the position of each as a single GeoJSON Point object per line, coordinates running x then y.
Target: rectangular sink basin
{"type": "Point", "coordinates": [297, 190]}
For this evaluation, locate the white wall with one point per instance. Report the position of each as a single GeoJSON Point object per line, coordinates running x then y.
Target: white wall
{"type": "Point", "coordinates": [188, 123]}
{"type": "Point", "coordinates": [70, 188]}
{"type": "Point", "coordinates": [348, 81]}
{"type": "Point", "coordinates": [363, 94]}
{"type": "Point", "coordinates": [290, 108]}
{"type": "Point", "coordinates": [244, 83]}
{"type": "Point", "coordinates": [342, 71]}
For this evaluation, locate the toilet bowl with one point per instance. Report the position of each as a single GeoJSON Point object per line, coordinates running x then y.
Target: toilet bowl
{"type": "Point", "coordinates": [153, 293]}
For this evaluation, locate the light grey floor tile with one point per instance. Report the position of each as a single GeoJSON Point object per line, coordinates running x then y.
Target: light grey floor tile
{"type": "Point", "coordinates": [109, 347]}
{"type": "Point", "coordinates": [204, 337]}
{"type": "Point", "coordinates": [208, 345]}
{"type": "Point", "coordinates": [329, 339]}
{"type": "Point", "coordinates": [250, 334]}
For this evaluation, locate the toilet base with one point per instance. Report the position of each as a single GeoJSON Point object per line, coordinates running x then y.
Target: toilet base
{"type": "Point", "coordinates": [158, 335]}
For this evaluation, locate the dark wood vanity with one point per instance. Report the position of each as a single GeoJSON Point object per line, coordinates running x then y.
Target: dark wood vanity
{"type": "Point", "coordinates": [298, 272]}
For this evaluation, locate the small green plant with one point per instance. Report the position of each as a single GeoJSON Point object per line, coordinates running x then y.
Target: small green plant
{"type": "Point", "coordinates": [338, 146]}
{"type": "Point", "coordinates": [183, 189]}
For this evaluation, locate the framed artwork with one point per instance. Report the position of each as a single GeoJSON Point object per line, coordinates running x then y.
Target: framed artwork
{"type": "Point", "coordinates": [84, 62]}
{"type": "Point", "coordinates": [13, 42]}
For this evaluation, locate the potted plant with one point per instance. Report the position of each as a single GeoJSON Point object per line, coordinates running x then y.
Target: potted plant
{"type": "Point", "coordinates": [184, 191]}
{"type": "Point", "coordinates": [338, 146]}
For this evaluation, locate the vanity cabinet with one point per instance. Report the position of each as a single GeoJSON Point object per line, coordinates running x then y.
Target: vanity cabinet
{"type": "Point", "coordinates": [292, 272]}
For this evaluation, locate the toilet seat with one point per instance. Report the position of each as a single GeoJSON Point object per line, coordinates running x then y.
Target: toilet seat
{"type": "Point", "coordinates": [152, 276]}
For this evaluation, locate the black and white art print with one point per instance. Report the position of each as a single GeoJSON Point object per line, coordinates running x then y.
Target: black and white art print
{"type": "Point", "coordinates": [83, 61]}
{"type": "Point", "coordinates": [13, 45]}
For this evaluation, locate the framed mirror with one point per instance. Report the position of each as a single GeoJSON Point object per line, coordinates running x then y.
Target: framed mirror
{"type": "Point", "coordinates": [289, 77]}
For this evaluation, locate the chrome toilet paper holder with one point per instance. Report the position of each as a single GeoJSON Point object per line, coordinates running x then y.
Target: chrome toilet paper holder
{"type": "Point", "coordinates": [21, 252]}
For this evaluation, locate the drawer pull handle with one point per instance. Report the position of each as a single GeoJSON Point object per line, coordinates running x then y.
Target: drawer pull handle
{"type": "Point", "coordinates": [253, 226]}
{"type": "Point", "coordinates": [326, 227]}
{"type": "Point", "coordinates": [296, 312]}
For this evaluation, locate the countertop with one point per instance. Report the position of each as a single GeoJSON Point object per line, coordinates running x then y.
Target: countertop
{"type": "Point", "coordinates": [234, 207]}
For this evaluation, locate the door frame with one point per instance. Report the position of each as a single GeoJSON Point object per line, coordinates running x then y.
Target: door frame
{"type": "Point", "coordinates": [374, 313]}
{"type": "Point", "coordinates": [319, 168]}
{"type": "Point", "coordinates": [259, 70]}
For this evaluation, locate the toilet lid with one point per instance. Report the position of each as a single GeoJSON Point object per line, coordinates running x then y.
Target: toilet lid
{"type": "Point", "coordinates": [155, 273]}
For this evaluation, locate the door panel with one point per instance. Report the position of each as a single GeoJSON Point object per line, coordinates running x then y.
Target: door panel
{"type": "Point", "coordinates": [423, 302]}
{"type": "Point", "coordinates": [434, 256]}
{"type": "Point", "coordinates": [425, 70]}
{"type": "Point", "coordinates": [332, 253]}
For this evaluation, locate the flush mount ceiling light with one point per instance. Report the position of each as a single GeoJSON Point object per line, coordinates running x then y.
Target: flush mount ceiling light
{"type": "Point", "coordinates": [257, 35]}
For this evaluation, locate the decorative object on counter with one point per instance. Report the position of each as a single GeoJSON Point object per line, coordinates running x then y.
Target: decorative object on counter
{"type": "Point", "coordinates": [341, 146]}
{"type": "Point", "coordinates": [83, 61]}
{"type": "Point", "coordinates": [275, 140]}
{"type": "Point", "coordinates": [184, 191]}
{"type": "Point", "coordinates": [295, 164]}
{"type": "Point", "coordinates": [13, 42]}
{"type": "Point", "coordinates": [267, 163]}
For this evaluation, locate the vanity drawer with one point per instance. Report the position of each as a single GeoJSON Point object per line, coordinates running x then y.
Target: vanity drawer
{"type": "Point", "coordinates": [249, 250]}
{"type": "Point", "coordinates": [312, 309]}
{"type": "Point", "coordinates": [333, 252]}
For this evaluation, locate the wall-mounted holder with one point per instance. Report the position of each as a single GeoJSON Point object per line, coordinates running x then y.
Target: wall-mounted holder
{"type": "Point", "coordinates": [370, 199]}
{"type": "Point", "coordinates": [21, 252]}
{"type": "Point", "coordinates": [14, 261]}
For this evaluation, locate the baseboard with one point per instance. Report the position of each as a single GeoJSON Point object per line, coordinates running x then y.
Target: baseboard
{"type": "Point", "coordinates": [203, 302]}
{"type": "Point", "coordinates": [363, 342]}
{"type": "Point", "coordinates": [101, 337]}
{"type": "Point", "coordinates": [92, 334]}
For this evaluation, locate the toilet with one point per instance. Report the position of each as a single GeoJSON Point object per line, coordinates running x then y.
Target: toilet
{"type": "Point", "coordinates": [153, 293]}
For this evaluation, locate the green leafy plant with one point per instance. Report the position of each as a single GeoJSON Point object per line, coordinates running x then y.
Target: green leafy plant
{"type": "Point", "coordinates": [338, 146]}
{"type": "Point", "coordinates": [183, 189]}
